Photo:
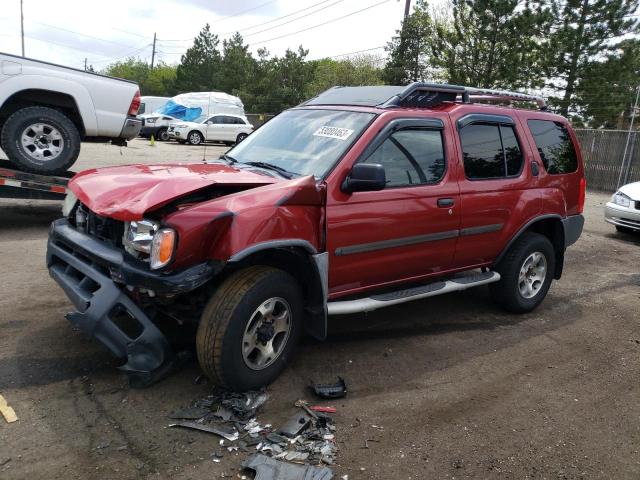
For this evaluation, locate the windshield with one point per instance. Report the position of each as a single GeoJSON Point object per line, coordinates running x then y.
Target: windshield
{"type": "Point", "coordinates": [303, 142]}
{"type": "Point", "coordinates": [200, 119]}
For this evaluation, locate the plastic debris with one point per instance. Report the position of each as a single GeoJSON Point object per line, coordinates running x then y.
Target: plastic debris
{"type": "Point", "coordinates": [270, 469]}
{"type": "Point", "coordinates": [296, 424]}
{"type": "Point", "coordinates": [189, 413]}
{"type": "Point", "coordinates": [321, 409]}
{"type": "Point", "coordinates": [230, 435]}
{"type": "Point", "coordinates": [336, 390]}
{"type": "Point", "coordinates": [7, 412]}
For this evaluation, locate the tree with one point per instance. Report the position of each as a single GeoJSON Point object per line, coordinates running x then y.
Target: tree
{"type": "Point", "coordinates": [158, 81]}
{"type": "Point", "coordinates": [359, 70]}
{"type": "Point", "coordinates": [237, 67]}
{"type": "Point", "coordinates": [199, 69]}
{"type": "Point", "coordinates": [583, 32]}
{"type": "Point", "coordinates": [607, 91]}
{"type": "Point", "coordinates": [409, 53]}
{"type": "Point", "coordinates": [486, 45]}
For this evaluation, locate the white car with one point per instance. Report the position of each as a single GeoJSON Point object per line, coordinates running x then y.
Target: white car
{"type": "Point", "coordinates": [226, 128]}
{"type": "Point", "coordinates": [623, 210]}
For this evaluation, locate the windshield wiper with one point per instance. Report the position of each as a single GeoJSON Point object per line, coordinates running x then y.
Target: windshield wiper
{"type": "Point", "coordinates": [285, 173]}
{"type": "Point", "coordinates": [228, 158]}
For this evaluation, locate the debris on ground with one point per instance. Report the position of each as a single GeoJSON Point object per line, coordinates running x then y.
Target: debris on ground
{"type": "Point", "coordinates": [8, 413]}
{"type": "Point", "coordinates": [269, 469]}
{"type": "Point", "coordinates": [307, 438]}
{"type": "Point", "coordinates": [330, 390]}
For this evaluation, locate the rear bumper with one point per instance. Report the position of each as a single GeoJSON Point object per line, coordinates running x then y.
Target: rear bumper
{"type": "Point", "coordinates": [94, 276]}
{"type": "Point", "coordinates": [622, 216]}
{"type": "Point", "coordinates": [572, 226]}
{"type": "Point", "coordinates": [131, 128]}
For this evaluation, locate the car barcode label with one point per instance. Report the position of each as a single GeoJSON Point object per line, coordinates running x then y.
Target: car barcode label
{"type": "Point", "coordinates": [333, 132]}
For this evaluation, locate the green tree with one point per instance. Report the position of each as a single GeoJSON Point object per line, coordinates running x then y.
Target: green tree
{"type": "Point", "coordinates": [409, 52]}
{"type": "Point", "coordinates": [493, 43]}
{"type": "Point", "coordinates": [200, 66]}
{"type": "Point", "coordinates": [159, 81]}
{"type": "Point", "coordinates": [583, 32]}
{"type": "Point", "coordinates": [238, 66]}
{"type": "Point", "coordinates": [359, 70]}
{"type": "Point", "coordinates": [606, 93]}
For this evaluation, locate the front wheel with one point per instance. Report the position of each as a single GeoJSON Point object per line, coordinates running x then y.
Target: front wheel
{"type": "Point", "coordinates": [250, 327]}
{"type": "Point", "coordinates": [195, 138]}
{"type": "Point", "coordinates": [162, 135]}
{"type": "Point", "coordinates": [526, 273]}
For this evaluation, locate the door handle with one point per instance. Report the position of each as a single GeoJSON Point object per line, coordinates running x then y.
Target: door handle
{"type": "Point", "coordinates": [445, 202]}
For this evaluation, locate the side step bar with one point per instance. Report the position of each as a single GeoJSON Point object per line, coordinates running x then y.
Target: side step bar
{"type": "Point", "coordinates": [415, 293]}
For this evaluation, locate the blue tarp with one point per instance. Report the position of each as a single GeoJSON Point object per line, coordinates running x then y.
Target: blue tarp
{"type": "Point", "coordinates": [180, 112]}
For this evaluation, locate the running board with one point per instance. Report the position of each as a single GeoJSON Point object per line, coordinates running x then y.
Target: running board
{"type": "Point", "coordinates": [407, 295]}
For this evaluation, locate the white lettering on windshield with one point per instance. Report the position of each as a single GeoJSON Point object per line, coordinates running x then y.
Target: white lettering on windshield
{"type": "Point", "coordinates": [333, 132]}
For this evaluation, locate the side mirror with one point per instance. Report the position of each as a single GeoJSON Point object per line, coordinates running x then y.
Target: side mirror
{"type": "Point", "coordinates": [365, 177]}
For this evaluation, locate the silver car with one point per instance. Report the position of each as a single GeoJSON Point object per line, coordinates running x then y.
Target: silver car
{"type": "Point", "coordinates": [623, 210]}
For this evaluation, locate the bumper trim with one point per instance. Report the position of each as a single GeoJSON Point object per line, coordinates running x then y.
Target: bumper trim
{"type": "Point", "coordinates": [131, 128]}
{"type": "Point", "coordinates": [572, 226]}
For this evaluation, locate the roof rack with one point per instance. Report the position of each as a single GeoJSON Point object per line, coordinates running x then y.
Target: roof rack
{"type": "Point", "coordinates": [417, 95]}
{"type": "Point", "coordinates": [420, 94]}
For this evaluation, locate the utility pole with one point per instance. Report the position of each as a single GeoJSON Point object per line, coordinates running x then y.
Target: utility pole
{"type": "Point", "coordinates": [85, 64]}
{"type": "Point", "coordinates": [22, 26]}
{"type": "Point", "coordinates": [626, 145]}
{"type": "Point", "coordinates": [407, 7]}
{"type": "Point", "coordinates": [153, 52]}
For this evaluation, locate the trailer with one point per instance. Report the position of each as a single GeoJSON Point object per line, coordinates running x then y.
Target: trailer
{"type": "Point", "coordinates": [32, 186]}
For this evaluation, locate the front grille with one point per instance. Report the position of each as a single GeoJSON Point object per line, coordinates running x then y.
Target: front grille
{"type": "Point", "coordinates": [626, 222]}
{"type": "Point", "coordinates": [102, 228]}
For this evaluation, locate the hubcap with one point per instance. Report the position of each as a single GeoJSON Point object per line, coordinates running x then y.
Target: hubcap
{"type": "Point", "coordinates": [195, 138]}
{"type": "Point", "coordinates": [42, 141]}
{"type": "Point", "coordinates": [532, 275]}
{"type": "Point", "coordinates": [266, 333]}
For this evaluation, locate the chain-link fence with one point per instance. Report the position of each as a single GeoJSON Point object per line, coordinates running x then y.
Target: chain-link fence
{"type": "Point", "coordinates": [603, 151]}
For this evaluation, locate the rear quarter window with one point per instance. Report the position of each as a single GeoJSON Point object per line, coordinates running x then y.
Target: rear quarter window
{"type": "Point", "coordinates": [554, 145]}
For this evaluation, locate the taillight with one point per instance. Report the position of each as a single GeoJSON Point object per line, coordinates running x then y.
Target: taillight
{"type": "Point", "coordinates": [135, 104]}
{"type": "Point", "coordinates": [582, 194]}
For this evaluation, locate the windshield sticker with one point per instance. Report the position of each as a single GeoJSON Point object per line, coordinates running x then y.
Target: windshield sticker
{"type": "Point", "coordinates": [333, 132]}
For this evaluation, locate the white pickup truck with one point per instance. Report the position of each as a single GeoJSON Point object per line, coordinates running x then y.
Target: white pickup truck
{"type": "Point", "coordinates": [46, 110]}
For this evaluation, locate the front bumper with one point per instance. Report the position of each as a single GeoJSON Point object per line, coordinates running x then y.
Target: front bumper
{"type": "Point", "coordinates": [131, 128]}
{"type": "Point", "coordinates": [94, 276]}
{"type": "Point", "coordinates": [628, 217]}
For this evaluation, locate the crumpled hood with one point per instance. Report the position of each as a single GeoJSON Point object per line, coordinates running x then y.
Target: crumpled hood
{"type": "Point", "coordinates": [126, 192]}
{"type": "Point", "coordinates": [631, 190]}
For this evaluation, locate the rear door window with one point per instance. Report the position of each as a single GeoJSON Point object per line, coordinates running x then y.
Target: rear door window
{"type": "Point", "coordinates": [554, 145]}
{"type": "Point", "coordinates": [490, 151]}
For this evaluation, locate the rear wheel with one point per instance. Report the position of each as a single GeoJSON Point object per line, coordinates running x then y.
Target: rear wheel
{"type": "Point", "coordinates": [241, 137]}
{"type": "Point", "coordinates": [162, 134]}
{"type": "Point", "coordinates": [195, 138]}
{"type": "Point", "coordinates": [41, 140]}
{"type": "Point", "coordinates": [250, 327]}
{"type": "Point", "coordinates": [526, 273]}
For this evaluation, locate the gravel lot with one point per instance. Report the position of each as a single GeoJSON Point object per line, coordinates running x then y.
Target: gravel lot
{"type": "Point", "coordinates": [458, 388]}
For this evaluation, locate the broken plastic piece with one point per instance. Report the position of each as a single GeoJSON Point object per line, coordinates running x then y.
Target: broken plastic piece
{"type": "Point", "coordinates": [336, 390]}
{"type": "Point", "coordinates": [269, 469]}
{"type": "Point", "coordinates": [230, 435]}
{"type": "Point", "coordinates": [189, 413]}
{"type": "Point", "coordinates": [321, 409]}
{"type": "Point", "coordinates": [7, 412]}
{"type": "Point", "coordinates": [295, 424]}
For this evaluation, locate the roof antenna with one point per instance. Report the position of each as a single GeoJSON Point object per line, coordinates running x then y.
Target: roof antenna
{"type": "Point", "coordinates": [204, 152]}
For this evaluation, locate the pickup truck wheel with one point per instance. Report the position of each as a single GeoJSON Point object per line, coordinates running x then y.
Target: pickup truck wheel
{"type": "Point", "coordinates": [195, 138]}
{"type": "Point", "coordinates": [162, 134]}
{"type": "Point", "coordinates": [241, 137]}
{"type": "Point", "coordinates": [526, 273]}
{"type": "Point", "coordinates": [41, 140]}
{"type": "Point", "coordinates": [250, 327]}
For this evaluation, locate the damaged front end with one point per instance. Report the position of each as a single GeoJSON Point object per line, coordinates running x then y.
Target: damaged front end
{"type": "Point", "coordinates": [99, 279]}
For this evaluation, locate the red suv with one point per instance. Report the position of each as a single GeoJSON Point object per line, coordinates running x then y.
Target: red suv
{"type": "Point", "coordinates": [360, 198]}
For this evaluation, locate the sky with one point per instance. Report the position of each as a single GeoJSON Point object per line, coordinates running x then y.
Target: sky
{"type": "Point", "coordinates": [68, 31]}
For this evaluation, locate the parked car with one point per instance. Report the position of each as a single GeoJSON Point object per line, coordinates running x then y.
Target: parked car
{"type": "Point", "coordinates": [623, 210]}
{"type": "Point", "coordinates": [226, 128]}
{"type": "Point", "coordinates": [156, 125]}
{"type": "Point", "coordinates": [362, 197]}
{"type": "Point", "coordinates": [46, 110]}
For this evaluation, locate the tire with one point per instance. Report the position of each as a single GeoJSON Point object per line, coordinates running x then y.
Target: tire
{"type": "Point", "coordinates": [162, 135]}
{"type": "Point", "coordinates": [195, 138]}
{"type": "Point", "coordinates": [241, 137]}
{"type": "Point", "coordinates": [224, 337]}
{"type": "Point", "coordinates": [511, 292]}
{"type": "Point", "coordinates": [41, 140]}
{"type": "Point", "coordinates": [622, 229]}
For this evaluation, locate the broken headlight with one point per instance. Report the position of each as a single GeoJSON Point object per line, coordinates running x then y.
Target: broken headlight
{"type": "Point", "coordinates": [69, 202]}
{"type": "Point", "coordinates": [138, 237]}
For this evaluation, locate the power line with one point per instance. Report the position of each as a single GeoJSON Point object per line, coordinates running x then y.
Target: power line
{"type": "Point", "coordinates": [294, 20]}
{"type": "Point", "coordinates": [244, 11]}
{"type": "Point", "coordinates": [82, 34]}
{"type": "Point", "coordinates": [320, 24]}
